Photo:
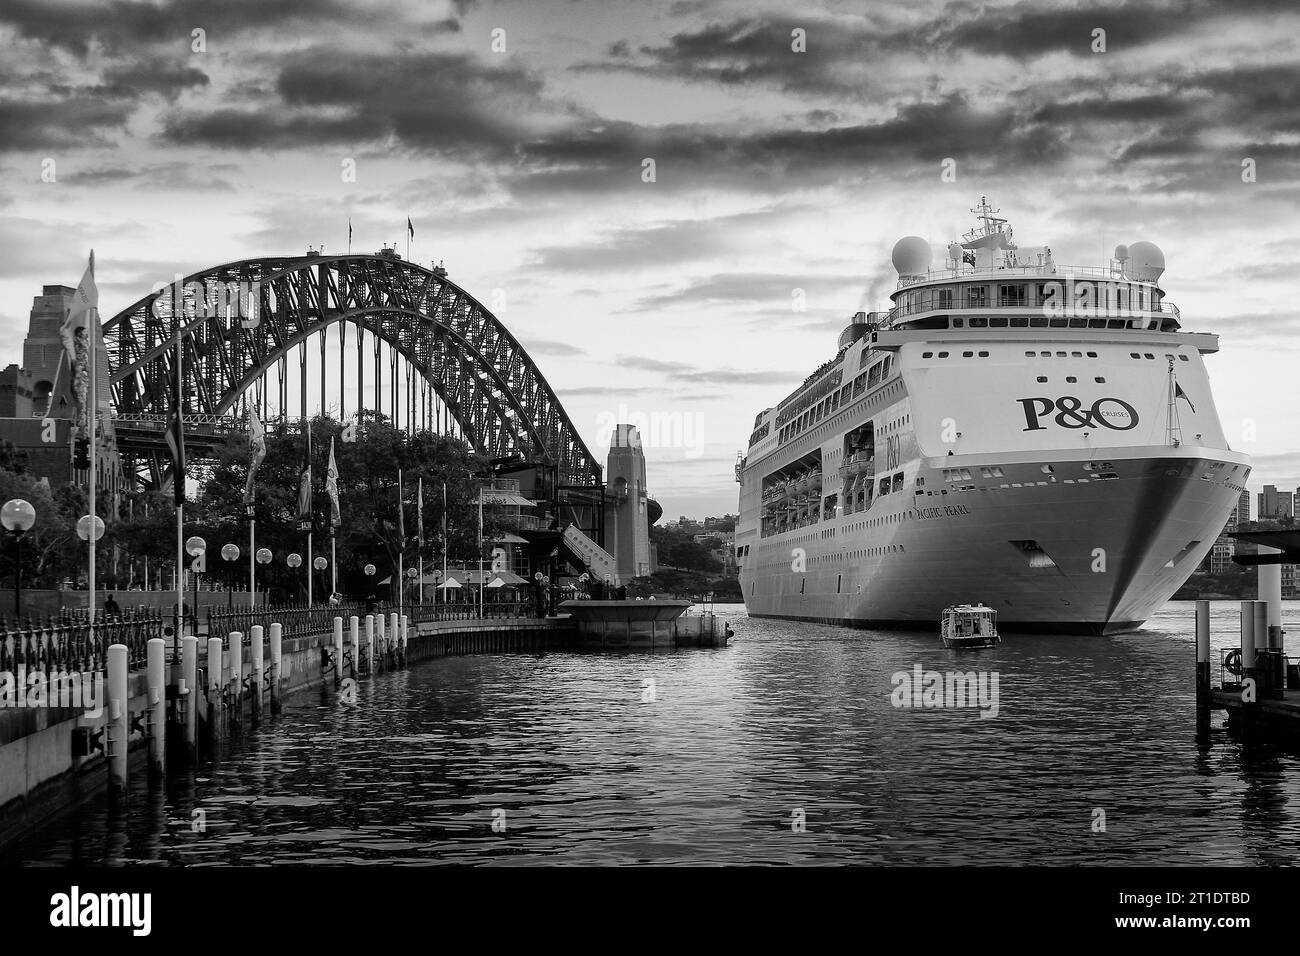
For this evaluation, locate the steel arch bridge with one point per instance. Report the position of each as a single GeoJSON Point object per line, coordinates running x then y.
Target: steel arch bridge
{"type": "Point", "coordinates": [239, 319]}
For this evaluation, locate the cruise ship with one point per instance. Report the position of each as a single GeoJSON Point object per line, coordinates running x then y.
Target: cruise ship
{"type": "Point", "coordinates": [1032, 436]}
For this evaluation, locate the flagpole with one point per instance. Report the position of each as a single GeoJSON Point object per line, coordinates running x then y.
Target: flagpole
{"type": "Point", "coordinates": [444, 535]}
{"type": "Point", "coordinates": [252, 559]}
{"type": "Point", "coordinates": [92, 400]}
{"type": "Point", "coordinates": [419, 517]}
{"type": "Point", "coordinates": [401, 543]}
{"type": "Point", "coordinates": [480, 551]}
{"type": "Point", "coordinates": [311, 572]}
{"type": "Point", "coordinates": [178, 494]}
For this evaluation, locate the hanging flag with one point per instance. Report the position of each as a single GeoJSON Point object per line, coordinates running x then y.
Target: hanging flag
{"type": "Point", "coordinates": [256, 451]}
{"type": "Point", "coordinates": [176, 444]}
{"type": "Point", "coordinates": [349, 232]}
{"type": "Point", "coordinates": [401, 519]}
{"type": "Point", "coordinates": [410, 230]}
{"type": "Point", "coordinates": [75, 332]}
{"type": "Point", "coordinates": [444, 517]}
{"type": "Point", "coordinates": [1179, 393]}
{"type": "Point", "coordinates": [304, 485]}
{"type": "Point", "coordinates": [332, 488]}
{"type": "Point", "coordinates": [419, 514]}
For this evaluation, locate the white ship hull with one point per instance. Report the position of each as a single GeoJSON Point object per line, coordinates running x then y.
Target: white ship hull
{"type": "Point", "coordinates": [1119, 548]}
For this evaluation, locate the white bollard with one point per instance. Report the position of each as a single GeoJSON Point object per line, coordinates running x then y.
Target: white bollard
{"type": "Point", "coordinates": [157, 683]}
{"type": "Point", "coordinates": [257, 668]}
{"type": "Point", "coordinates": [118, 721]}
{"type": "Point", "coordinates": [370, 644]}
{"type": "Point", "coordinates": [354, 632]}
{"type": "Point", "coordinates": [406, 626]}
{"type": "Point", "coordinates": [190, 691]}
{"type": "Point", "coordinates": [394, 632]}
{"type": "Point", "coordinates": [237, 674]}
{"type": "Point", "coordinates": [1270, 587]}
{"type": "Point", "coordinates": [1261, 610]}
{"type": "Point", "coordinates": [379, 635]}
{"type": "Point", "coordinates": [275, 668]}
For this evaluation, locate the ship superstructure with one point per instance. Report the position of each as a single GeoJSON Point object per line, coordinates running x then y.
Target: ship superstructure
{"type": "Point", "coordinates": [1037, 437]}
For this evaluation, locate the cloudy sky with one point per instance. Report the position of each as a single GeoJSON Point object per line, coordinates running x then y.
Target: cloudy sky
{"type": "Point", "coordinates": [775, 170]}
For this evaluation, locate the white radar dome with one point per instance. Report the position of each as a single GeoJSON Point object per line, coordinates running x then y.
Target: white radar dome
{"type": "Point", "coordinates": [912, 256]}
{"type": "Point", "coordinates": [955, 251]}
{"type": "Point", "coordinates": [1121, 253]}
{"type": "Point", "coordinates": [1146, 261]}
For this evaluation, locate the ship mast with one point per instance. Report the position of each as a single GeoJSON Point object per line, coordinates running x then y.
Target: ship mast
{"type": "Point", "coordinates": [1173, 430]}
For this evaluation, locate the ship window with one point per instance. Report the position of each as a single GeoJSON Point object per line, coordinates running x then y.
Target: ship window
{"type": "Point", "coordinates": [1038, 321]}
{"type": "Point", "coordinates": [923, 355]}
{"type": "Point", "coordinates": [984, 355]}
{"type": "Point", "coordinates": [998, 323]}
{"type": "Point", "coordinates": [1042, 378]}
{"type": "Point", "coordinates": [979, 323]}
{"type": "Point", "coordinates": [1183, 357]}
{"type": "Point", "coordinates": [943, 355]}
{"type": "Point", "coordinates": [1013, 295]}
{"type": "Point", "coordinates": [1096, 323]}
{"type": "Point", "coordinates": [1030, 354]}
{"type": "Point", "coordinates": [1019, 322]}
{"type": "Point", "coordinates": [1116, 323]}
{"type": "Point", "coordinates": [1045, 354]}
{"type": "Point", "coordinates": [1100, 380]}
{"type": "Point", "coordinates": [1060, 355]}
{"type": "Point", "coordinates": [885, 371]}
{"type": "Point", "coordinates": [1078, 323]}
{"type": "Point", "coordinates": [1071, 379]}
{"type": "Point", "coordinates": [1134, 355]}
{"type": "Point", "coordinates": [977, 296]}
{"type": "Point", "coordinates": [945, 298]}
{"type": "Point", "coordinates": [1092, 355]}
{"type": "Point", "coordinates": [1148, 355]}
{"type": "Point", "coordinates": [1076, 354]}
{"type": "Point", "coordinates": [967, 354]}
{"type": "Point", "coordinates": [1059, 323]}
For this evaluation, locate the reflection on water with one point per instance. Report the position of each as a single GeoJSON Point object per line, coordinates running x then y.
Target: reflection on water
{"type": "Point", "coordinates": [735, 744]}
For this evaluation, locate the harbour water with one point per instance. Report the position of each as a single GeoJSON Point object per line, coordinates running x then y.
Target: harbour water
{"type": "Point", "coordinates": [784, 747]}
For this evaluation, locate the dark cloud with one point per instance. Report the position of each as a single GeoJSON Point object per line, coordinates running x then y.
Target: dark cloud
{"type": "Point", "coordinates": [140, 77]}
{"type": "Point", "coordinates": [118, 25]}
{"type": "Point", "coordinates": [444, 103]}
{"type": "Point", "coordinates": [72, 123]}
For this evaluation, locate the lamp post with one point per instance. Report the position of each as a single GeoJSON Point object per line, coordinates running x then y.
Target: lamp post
{"type": "Point", "coordinates": [412, 574]}
{"type": "Point", "coordinates": [18, 516]}
{"type": "Point", "coordinates": [294, 560]}
{"type": "Point", "coordinates": [230, 554]}
{"type": "Point", "coordinates": [197, 549]}
{"type": "Point", "coordinates": [370, 570]}
{"type": "Point", "coordinates": [85, 528]}
{"type": "Point", "coordinates": [320, 564]}
{"type": "Point", "coordinates": [263, 556]}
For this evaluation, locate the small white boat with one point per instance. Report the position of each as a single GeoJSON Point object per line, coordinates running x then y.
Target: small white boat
{"type": "Point", "coordinates": [969, 625]}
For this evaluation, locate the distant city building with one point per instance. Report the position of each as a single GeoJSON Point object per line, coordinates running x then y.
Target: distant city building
{"type": "Point", "coordinates": [1242, 512]}
{"type": "Point", "coordinates": [1274, 504]}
